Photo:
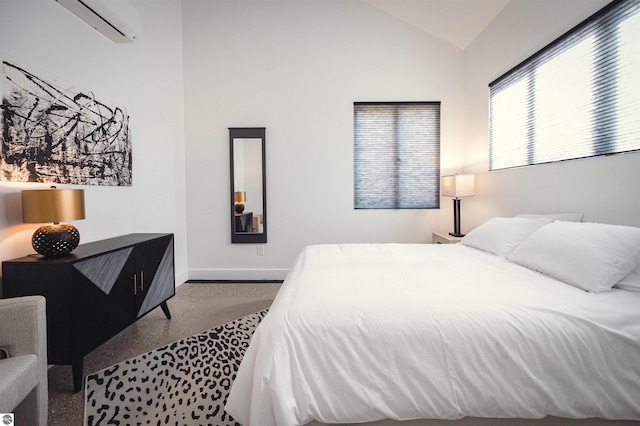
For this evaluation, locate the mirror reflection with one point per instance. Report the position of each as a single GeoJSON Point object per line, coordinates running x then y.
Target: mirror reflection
{"type": "Point", "coordinates": [248, 185]}
{"type": "Point", "coordinates": [247, 178]}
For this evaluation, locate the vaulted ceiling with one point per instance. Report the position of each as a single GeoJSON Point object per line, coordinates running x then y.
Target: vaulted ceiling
{"type": "Point", "coordinates": [456, 21]}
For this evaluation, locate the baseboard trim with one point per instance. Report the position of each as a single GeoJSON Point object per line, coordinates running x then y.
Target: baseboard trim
{"type": "Point", "coordinates": [181, 277]}
{"type": "Point", "coordinates": [237, 275]}
{"type": "Point", "coordinates": [233, 282]}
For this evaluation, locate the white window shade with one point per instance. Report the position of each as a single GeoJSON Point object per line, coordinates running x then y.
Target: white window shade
{"type": "Point", "coordinates": [577, 97]}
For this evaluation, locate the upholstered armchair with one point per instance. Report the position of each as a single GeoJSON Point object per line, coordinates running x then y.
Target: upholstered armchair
{"type": "Point", "coordinates": [23, 367]}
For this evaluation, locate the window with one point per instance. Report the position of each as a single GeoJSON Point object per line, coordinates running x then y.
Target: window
{"type": "Point", "coordinates": [397, 155]}
{"type": "Point", "coordinates": [577, 97]}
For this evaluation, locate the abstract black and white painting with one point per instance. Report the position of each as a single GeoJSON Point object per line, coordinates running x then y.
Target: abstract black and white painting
{"type": "Point", "coordinates": [53, 134]}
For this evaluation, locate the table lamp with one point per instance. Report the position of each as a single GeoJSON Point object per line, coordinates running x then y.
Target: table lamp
{"type": "Point", "coordinates": [239, 198]}
{"type": "Point", "coordinates": [457, 186]}
{"type": "Point", "coordinates": [53, 205]}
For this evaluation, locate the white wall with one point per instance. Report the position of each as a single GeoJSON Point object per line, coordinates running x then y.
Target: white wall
{"type": "Point", "coordinates": [296, 67]}
{"type": "Point", "coordinates": [604, 188]}
{"type": "Point", "coordinates": [146, 78]}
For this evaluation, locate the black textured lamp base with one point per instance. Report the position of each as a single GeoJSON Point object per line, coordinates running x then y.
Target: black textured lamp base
{"type": "Point", "coordinates": [55, 240]}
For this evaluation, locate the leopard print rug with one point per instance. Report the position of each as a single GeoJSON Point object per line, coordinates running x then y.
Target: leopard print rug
{"type": "Point", "coordinates": [183, 383]}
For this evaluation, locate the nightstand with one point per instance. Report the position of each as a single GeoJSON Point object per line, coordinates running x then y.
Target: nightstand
{"type": "Point", "coordinates": [444, 238]}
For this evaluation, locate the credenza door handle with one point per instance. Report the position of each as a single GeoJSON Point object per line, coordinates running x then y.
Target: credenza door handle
{"type": "Point", "coordinates": [135, 284]}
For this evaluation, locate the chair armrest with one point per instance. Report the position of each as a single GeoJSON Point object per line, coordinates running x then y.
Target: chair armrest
{"type": "Point", "coordinates": [24, 326]}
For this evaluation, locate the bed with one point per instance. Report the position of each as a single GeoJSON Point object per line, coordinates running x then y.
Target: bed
{"type": "Point", "coordinates": [526, 318]}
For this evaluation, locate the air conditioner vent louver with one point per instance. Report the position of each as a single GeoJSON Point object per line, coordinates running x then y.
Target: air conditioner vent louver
{"type": "Point", "coordinates": [116, 19]}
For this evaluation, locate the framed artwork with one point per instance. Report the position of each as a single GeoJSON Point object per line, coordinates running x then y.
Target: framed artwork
{"type": "Point", "coordinates": [58, 135]}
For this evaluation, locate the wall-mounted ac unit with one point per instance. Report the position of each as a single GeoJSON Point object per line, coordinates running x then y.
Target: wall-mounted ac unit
{"type": "Point", "coordinates": [116, 19]}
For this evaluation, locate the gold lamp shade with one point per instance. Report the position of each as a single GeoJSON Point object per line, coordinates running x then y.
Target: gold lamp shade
{"type": "Point", "coordinates": [53, 205]}
{"type": "Point", "coordinates": [239, 196]}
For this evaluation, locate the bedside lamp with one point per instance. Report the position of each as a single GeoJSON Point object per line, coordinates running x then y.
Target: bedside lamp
{"type": "Point", "coordinates": [457, 186]}
{"type": "Point", "coordinates": [53, 205]}
{"type": "Point", "coordinates": [239, 198]}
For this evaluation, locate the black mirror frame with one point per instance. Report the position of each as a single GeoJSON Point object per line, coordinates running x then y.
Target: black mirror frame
{"type": "Point", "coordinates": [248, 133]}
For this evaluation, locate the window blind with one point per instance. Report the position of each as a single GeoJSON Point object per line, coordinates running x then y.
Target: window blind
{"type": "Point", "coordinates": [577, 97]}
{"type": "Point", "coordinates": [397, 155]}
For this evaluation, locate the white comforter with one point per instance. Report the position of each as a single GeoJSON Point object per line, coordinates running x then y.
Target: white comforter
{"type": "Point", "coordinates": [363, 332]}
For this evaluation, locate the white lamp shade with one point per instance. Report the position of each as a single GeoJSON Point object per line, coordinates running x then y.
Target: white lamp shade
{"type": "Point", "coordinates": [458, 186]}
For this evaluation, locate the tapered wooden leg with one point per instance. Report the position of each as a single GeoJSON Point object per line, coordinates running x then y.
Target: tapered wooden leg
{"type": "Point", "coordinates": [76, 371]}
{"type": "Point", "coordinates": [165, 309]}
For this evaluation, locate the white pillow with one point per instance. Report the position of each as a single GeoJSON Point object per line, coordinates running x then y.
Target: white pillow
{"type": "Point", "coordinates": [631, 282]}
{"type": "Point", "coordinates": [568, 217]}
{"type": "Point", "coordinates": [500, 235]}
{"type": "Point", "coordinates": [590, 256]}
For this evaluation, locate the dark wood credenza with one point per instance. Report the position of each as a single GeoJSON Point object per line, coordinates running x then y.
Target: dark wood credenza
{"type": "Point", "coordinates": [95, 292]}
